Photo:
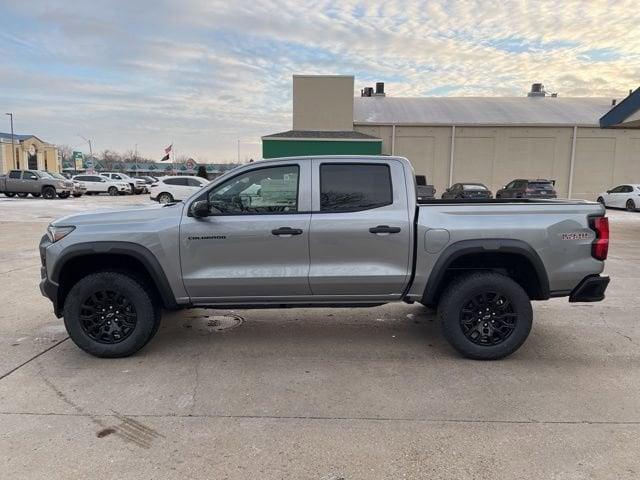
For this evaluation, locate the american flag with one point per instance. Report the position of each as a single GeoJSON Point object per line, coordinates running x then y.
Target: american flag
{"type": "Point", "coordinates": [167, 152]}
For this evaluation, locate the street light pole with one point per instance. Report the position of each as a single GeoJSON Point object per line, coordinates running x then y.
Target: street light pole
{"type": "Point", "coordinates": [90, 146]}
{"type": "Point", "coordinates": [13, 148]}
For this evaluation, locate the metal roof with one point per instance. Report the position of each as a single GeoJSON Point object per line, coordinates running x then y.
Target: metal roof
{"type": "Point", "coordinates": [16, 138]}
{"type": "Point", "coordinates": [319, 135]}
{"type": "Point", "coordinates": [489, 111]}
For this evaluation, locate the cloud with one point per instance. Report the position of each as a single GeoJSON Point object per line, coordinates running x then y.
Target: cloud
{"type": "Point", "coordinates": [206, 73]}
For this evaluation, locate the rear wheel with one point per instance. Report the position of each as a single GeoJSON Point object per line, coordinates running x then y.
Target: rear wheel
{"type": "Point", "coordinates": [10, 194]}
{"type": "Point", "coordinates": [49, 193]}
{"type": "Point", "coordinates": [23, 195]}
{"type": "Point", "coordinates": [631, 205]}
{"type": "Point", "coordinates": [165, 198]}
{"type": "Point", "coordinates": [600, 200]}
{"type": "Point", "coordinates": [113, 191]}
{"type": "Point", "coordinates": [36, 195]}
{"type": "Point", "coordinates": [110, 314]}
{"type": "Point", "coordinates": [485, 316]}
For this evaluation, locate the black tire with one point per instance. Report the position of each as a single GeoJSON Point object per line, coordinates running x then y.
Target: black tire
{"type": "Point", "coordinates": [113, 191]}
{"type": "Point", "coordinates": [49, 193]}
{"type": "Point", "coordinates": [36, 195]}
{"type": "Point", "coordinates": [63, 195]}
{"type": "Point", "coordinates": [631, 205]}
{"type": "Point", "coordinates": [105, 291]}
{"type": "Point", "coordinates": [600, 200]}
{"type": "Point", "coordinates": [77, 195]}
{"type": "Point", "coordinates": [485, 339]}
{"type": "Point", "coordinates": [498, 196]}
{"type": "Point", "coordinates": [10, 194]}
{"type": "Point", "coordinates": [23, 195]}
{"type": "Point", "coordinates": [165, 197]}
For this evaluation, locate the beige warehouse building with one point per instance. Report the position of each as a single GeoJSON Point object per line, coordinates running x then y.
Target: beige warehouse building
{"type": "Point", "coordinates": [492, 140]}
{"type": "Point", "coordinates": [27, 152]}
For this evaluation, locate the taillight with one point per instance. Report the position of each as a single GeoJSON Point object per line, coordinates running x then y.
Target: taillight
{"type": "Point", "coordinates": [600, 246]}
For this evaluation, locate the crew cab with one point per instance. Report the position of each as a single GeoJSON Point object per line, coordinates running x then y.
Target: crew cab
{"type": "Point", "coordinates": [329, 231]}
{"type": "Point", "coordinates": [35, 182]}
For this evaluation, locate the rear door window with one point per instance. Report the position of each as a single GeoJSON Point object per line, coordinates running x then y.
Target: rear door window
{"type": "Point", "coordinates": [15, 174]}
{"type": "Point", "coordinates": [176, 181]}
{"type": "Point", "coordinates": [353, 187]}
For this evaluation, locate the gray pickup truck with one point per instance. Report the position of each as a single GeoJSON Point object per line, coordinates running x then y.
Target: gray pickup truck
{"type": "Point", "coordinates": [323, 232]}
{"type": "Point", "coordinates": [35, 182]}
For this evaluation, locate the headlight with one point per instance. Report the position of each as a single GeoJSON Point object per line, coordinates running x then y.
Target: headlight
{"type": "Point", "coordinates": [58, 233]}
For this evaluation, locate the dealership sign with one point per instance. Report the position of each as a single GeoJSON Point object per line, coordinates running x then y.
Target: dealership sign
{"type": "Point", "coordinates": [78, 157]}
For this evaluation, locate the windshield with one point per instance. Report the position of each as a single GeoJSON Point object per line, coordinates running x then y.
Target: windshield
{"type": "Point", "coordinates": [541, 185]}
{"type": "Point", "coordinates": [55, 175]}
{"type": "Point", "coordinates": [473, 186]}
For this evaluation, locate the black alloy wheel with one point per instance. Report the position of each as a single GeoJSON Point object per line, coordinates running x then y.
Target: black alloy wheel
{"type": "Point", "coordinates": [631, 206]}
{"type": "Point", "coordinates": [488, 318]}
{"type": "Point", "coordinates": [108, 317]}
{"type": "Point", "coordinates": [49, 193]}
{"type": "Point", "coordinates": [113, 191]}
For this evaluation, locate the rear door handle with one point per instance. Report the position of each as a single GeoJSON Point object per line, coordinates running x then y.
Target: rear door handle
{"type": "Point", "coordinates": [286, 231]}
{"type": "Point", "coordinates": [384, 229]}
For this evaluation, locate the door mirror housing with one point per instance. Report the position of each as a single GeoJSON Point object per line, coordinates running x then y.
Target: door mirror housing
{"type": "Point", "coordinates": [200, 208]}
{"type": "Point", "coordinates": [608, 191]}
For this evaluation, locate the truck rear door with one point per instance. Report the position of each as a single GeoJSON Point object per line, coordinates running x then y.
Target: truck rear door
{"type": "Point", "coordinates": [361, 228]}
{"type": "Point", "coordinates": [14, 181]}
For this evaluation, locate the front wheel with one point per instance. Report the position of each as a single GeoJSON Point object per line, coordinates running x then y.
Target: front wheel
{"type": "Point", "coordinates": [10, 194]}
{"type": "Point", "coordinates": [23, 195]}
{"type": "Point", "coordinates": [110, 314]}
{"type": "Point", "coordinates": [63, 195]}
{"type": "Point", "coordinates": [631, 205]}
{"type": "Point", "coordinates": [49, 193]}
{"type": "Point", "coordinates": [485, 316]}
{"type": "Point", "coordinates": [113, 191]}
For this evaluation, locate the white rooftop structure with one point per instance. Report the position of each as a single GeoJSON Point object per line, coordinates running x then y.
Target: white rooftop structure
{"type": "Point", "coordinates": [481, 111]}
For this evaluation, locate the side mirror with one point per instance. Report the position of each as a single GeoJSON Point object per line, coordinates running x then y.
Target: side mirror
{"type": "Point", "coordinates": [202, 208]}
{"type": "Point", "coordinates": [608, 191]}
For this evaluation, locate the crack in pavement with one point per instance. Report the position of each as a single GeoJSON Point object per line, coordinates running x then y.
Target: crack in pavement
{"type": "Point", "coordinates": [329, 418]}
{"type": "Point", "coordinates": [26, 362]}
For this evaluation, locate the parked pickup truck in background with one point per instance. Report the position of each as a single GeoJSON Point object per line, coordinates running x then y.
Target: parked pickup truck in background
{"type": "Point", "coordinates": [323, 231]}
{"type": "Point", "coordinates": [36, 183]}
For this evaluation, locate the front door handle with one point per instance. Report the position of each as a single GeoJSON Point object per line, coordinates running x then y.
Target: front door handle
{"type": "Point", "coordinates": [384, 229]}
{"type": "Point", "coordinates": [286, 231]}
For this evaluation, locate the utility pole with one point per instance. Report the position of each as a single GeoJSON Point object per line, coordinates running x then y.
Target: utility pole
{"type": "Point", "coordinates": [238, 151]}
{"type": "Point", "coordinates": [13, 148]}
{"type": "Point", "coordinates": [90, 147]}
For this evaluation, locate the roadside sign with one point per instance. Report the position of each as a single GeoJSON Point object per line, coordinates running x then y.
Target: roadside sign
{"type": "Point", "coordinates": [89, 163]}
{"type": "Point", "coordinates": [78, 157]}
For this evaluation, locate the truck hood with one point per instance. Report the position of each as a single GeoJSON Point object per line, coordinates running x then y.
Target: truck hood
{"type": "Point", "coordinates": [123, 216]}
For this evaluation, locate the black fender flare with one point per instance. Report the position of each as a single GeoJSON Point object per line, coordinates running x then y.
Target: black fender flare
{"type": "Point", "coordinates": [140, 253]}
{"type": "Point", "coordinates": [493, 245]}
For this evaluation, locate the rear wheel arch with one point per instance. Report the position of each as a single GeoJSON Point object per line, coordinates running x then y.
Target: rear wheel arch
{"type": "Point", "coordinates": [135, 260]}
{"type": "Point", "coordinates": [513, 258]}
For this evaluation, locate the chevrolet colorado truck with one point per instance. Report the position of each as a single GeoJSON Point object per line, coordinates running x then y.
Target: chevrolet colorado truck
{"type": "Point", "coordinates": [35, 182]}
{"type": "Point", "coordinates": [338, 231]}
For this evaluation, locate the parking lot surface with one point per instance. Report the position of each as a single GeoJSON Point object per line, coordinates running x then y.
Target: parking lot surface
{"type": "Point", "coordinates": [316, 393]}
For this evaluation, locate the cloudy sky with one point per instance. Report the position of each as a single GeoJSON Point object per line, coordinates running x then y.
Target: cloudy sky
{"type": "Point", "coordinates": [203, 73]}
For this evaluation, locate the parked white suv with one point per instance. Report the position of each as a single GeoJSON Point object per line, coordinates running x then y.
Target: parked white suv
{"type": "Point", "coordinates": [100, 184]}
{"type": "Point", "coordinates": [623, 196]}
{"type": "Point", "coordinates": [136, 185]}
{"type": "Point", "coordinates": [172, 189]}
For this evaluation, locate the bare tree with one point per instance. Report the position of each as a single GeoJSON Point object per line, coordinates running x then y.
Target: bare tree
{"type": "Point", "coordinates": [65, 152]}
{"type": "Point", "coordinates": [110, 159]}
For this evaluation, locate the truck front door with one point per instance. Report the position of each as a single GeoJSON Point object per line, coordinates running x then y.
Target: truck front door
{"type": "Point", "coordinates": [254, 245]}
{"type": "Point", "coordinates": [361, 229]}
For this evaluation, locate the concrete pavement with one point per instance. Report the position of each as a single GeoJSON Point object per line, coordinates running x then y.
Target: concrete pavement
{"type": "Point", "coordinates": [318, 394]}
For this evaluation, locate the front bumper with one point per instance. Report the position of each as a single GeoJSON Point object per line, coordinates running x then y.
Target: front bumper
{"type": "Point", "coordinates": [48, 288]}
{"type": "Point", "coordinates": [590, 289]}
